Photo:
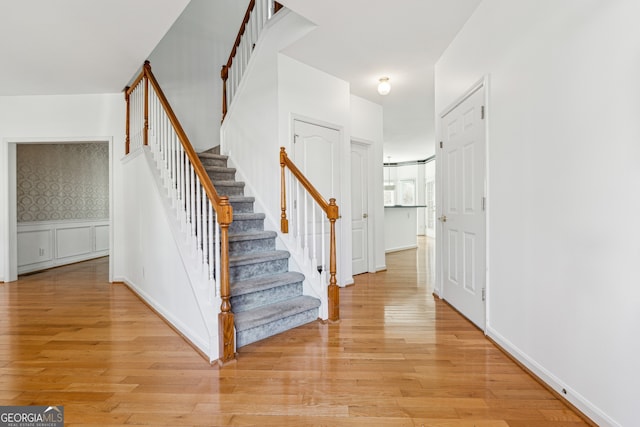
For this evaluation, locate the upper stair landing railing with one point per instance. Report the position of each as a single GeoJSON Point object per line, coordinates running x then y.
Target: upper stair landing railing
{"type": "Point", "coordinates": [152, 122]}
{"type": "Point", "coordinates": [257, 14]}
{"type": "Point", "coordinates": [309, 228]}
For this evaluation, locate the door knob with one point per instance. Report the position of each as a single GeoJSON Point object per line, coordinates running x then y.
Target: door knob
{"type": "Point", "coordinates": [443, 218]}
{"type": "Point", "coordinates": [364, 215]}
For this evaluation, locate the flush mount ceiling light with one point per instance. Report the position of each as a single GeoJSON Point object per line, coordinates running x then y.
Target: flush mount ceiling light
{"type": "Point", "coordinates": [384, 87]}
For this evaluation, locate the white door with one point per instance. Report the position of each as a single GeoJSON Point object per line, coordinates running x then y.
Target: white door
{"type": "Point", "coordinates": [315, 152]}
{"type": "Point", "coordinates": [463, 164]}
{"type": "Point", "coordinates": [359, 207]}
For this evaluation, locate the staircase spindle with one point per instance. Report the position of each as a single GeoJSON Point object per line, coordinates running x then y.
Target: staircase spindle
{"type": "Point", "coordinates": [210, 256]}
{"type": "Point", "coordinates": [198, 213]}
{"type": "Point", "coordinates": [314, 247]}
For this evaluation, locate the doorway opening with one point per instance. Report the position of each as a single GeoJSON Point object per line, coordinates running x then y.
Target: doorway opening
{"type": "Point", "coordinates": [60, 203]}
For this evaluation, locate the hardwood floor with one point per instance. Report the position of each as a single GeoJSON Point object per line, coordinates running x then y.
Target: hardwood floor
{"type": "Point", "coordinates": [399, 357]}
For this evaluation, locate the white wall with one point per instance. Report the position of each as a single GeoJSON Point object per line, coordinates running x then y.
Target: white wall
{"type": "Point", "coordinates": [563, 205]}
{"type": "Point", "coordinates": [61, 119]}
{"type": "Point", "coordinates": [187, 64]}
{"type": "Point", "coordinates": [366, 126]}
{"type": "Point", "coordinates": [154, 266]}
{"type": "Point", "coordinates": [305, 92]}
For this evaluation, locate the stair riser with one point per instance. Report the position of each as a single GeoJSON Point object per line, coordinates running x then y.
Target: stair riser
{"type": "Point", "coordinates": [214, 162]}
{"type": "Point", "coordinates": [264, 331]}
{"type": "Point", "coordinates": [229, 190]}
{"type": "Point", "coordinates": [238, 226]}
{"type": "Point", "coordinates": [268, 296]}
{"type": "Point", "coordinates": [222, 176]}
{"type": "Point", "coordinates": [250, 246]}
{"type": "Point", "coordinates": [241, 272]}
{"type": "Point", "coordinates": [242, 207]}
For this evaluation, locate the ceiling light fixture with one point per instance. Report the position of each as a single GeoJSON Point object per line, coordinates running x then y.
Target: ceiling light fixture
{"type": "Point", "coordinates": [384, 87]}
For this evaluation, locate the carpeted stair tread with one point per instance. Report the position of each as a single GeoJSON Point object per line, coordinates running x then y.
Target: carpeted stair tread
{"type": "Point", "coordinates": [262, 283]}
{"type": "Point", "coordinates": [228, 183]}
{"type": "Point", "coordinates": [207, 155]}
{"type": "Point", "coordinates": [257, 257]}
{"type": "Point", "coordinates": [251, 235]}
{"type": "Point", "coordinates": [266, 298]}
{"type": "Point", "coordinates": [273, 312]}
{"type": "Point", "coordinates": [248, 216]}
{"type": "Point", "coordinates": [219, 169]}
{"type": "Point", "coordinates": [239, 198]}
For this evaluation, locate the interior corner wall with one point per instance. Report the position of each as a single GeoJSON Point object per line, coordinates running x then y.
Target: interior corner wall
{"type": "Point", "coordinates": [563, 229]}
{"type": "Point", "coordinates": [187, 63]}
{"type": "Point", "coordinates": [31, 118]}
{"type": "Point", "coordinates": [306, 92]}
{"type": "Point", "coordinates": [367, 125]}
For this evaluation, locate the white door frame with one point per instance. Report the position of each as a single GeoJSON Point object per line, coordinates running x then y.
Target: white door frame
{"type": "Point", "coordinates": [343, 230]}
{"type": "Point", "coordinates": [371, 268]}
{"type": "Point", "coordinates": [11, 227]}
{"type": "Point", "coordinates": [439, 286]}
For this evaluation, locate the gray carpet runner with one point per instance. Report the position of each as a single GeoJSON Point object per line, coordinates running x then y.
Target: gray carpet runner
{"type": "Point", "coordinates": [266, 298]}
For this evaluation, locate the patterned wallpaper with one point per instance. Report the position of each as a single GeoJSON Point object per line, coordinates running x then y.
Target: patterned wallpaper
{"type": "Point", "coordinates": [62, 181]}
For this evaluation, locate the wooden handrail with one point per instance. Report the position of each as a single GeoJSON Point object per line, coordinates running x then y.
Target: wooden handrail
{"type": "Point", "coordinates": [330, 209]}
{"type": "Point", "coordinates": [221, 205]}
{"type": "Point", "coordinates": [285, 161]}
{"type": "Point", "coordinates": [224, 72]}
{"type": "Point", "coordinates": [243, 26]}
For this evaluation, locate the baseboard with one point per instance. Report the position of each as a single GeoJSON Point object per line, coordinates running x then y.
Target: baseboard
{"type": "Point", "coordinates": [589, 412]}
{"type": "Point", "coordinates": [401, 248]}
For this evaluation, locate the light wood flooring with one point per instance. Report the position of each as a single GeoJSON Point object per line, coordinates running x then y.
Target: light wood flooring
{"type": "Point", "coordinates": [399, 357]}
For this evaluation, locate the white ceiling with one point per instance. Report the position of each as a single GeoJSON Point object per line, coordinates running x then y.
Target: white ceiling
{"type": "Point", "coordinates": [52, 47]}
{"type": "Point", "coordinates": [362, 40]}
{"type": "Point", "coordinates": [95, 46]}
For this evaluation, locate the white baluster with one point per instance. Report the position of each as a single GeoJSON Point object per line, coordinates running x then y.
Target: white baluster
{"type": "Point", "coordinates": [217, 260]}
{"type": "Point", "coordinates": [183, 203]}
{"type": "Point", "coordinates": [298, 209]}
{"type": "Point", "coordinates": [306, 225]}
{"type": "Point", "coordinates": [314, 248]}
{"type": "Point", "coordinates": [199, 213]}
{"type": "Point", "coordinates": [192, 181]}
{"type": "Point", "coordinates": [260, 7]}
{"type": "Point", "coordinates": [174, 171]}
{"type": "Point", "coordinates": [211, 239]}
{"type": "Point", "coordinates": [323, 275]}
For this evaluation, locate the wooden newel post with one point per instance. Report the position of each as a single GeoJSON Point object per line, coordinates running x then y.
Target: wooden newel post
{"type": "Point", "coordinates": [284, 222]}
{"type": "Point", "coordinates": [145, 131]}
{"type": "Point", "coordinates": [127, 141]}
{"type": "Point", "coordinates": [224, 75]}
{"type": "Point", "coordinates": [334, 290]}
{"type": "Point", "coordinates": [226, 333]}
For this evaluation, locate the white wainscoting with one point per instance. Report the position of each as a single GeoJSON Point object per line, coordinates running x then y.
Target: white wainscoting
{"type": "Point", "coordinates": [49, 244]}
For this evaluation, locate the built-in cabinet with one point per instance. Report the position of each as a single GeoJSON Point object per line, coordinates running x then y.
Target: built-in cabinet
{"type": "Point", "coordinates": [49, 244]}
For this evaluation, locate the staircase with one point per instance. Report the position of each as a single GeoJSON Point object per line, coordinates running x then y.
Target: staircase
{"type": "Point", "coordinates": [266, 298]}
